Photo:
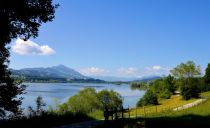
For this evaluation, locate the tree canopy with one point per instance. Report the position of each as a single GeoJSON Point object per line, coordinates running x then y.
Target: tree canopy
{"type": "Point", "coordinates": [84, 101]}
{"type": "Point", "coordinates": [18, 18]}
{"type": "Point", "coordinates": [207, 75]}
{"type": "Point", "coordinates": [149, 98]}
{"type": "Point", "coordinates": [188, 79]}
{"type": "Point", "coordinates": [186, 70]}
{"type": "Point", "coordinates": [88, 100]}
{"type": "Point", "coordinates": [110, 99]}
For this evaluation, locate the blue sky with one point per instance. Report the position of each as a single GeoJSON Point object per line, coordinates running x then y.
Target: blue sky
{"type": "Point", "coordinates": [129, 38]}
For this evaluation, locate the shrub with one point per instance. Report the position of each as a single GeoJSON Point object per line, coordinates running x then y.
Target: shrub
{"type": "Point", "coordinates": [190, 89]}
{"type": "Point", "coordinates": [150, 98]}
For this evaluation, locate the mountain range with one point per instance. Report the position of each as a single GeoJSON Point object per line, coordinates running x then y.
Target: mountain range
{"type": "Point", "coordinates": [58, 73]}
{"type": "Point", "coordinates": [62, 73]}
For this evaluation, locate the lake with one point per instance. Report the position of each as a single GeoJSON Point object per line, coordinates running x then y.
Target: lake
{"type": "Point", "coordinates": [62, 91]}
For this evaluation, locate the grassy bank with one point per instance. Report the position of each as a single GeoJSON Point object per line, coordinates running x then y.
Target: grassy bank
{"type": "Point", "coordinates": [165, 105]}
{"type": "Point", "coordinates": [194, 117]}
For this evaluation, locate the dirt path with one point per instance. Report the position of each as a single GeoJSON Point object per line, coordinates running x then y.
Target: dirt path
{"type": "Point", "coordinates": [86, 124]}
{"type": "Point", "coordinates": [186, 106]}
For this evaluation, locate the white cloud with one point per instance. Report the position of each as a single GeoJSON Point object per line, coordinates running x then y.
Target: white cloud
{"type": "Point", "coordinates": [93, 71]}
{"type": "Point", "coordinates": [148, 71]}
{"type": "Point", "coordinates": [157, 70]}
{"type": "Point", "coordinates": [156, 67]}
{"type": "Point", "coordinates": [126, 72]}
{"type": "Point", "coordinates": [31, 48]}
{"type": "Point", "coordinates": [129, 72]}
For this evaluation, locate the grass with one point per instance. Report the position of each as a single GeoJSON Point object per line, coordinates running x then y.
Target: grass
{"type": "Point", "coordinates": [200, 110]}
{"type": "Point", "coordinates": [98, 115]}
{"type": "Point", "coordinates": [194, 117]}
{"type": "Point", "coordinates": [164, 106]}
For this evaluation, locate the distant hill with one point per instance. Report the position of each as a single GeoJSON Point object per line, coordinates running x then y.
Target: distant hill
{"type": "Point", "coordinates": [147, 79]}
{"type": "Point", "coordinates": [113, 78]}
{"type": "Point", "coordinates": [58, 73]}
{"type": "Point", "coordinates": [125, 79]}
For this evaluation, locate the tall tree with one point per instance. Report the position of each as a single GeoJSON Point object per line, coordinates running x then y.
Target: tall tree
{"type": "Point", "coordinates": [187, 75]}
{"type": "Point", "coordinates": [18, 18]}
{"type": "Point", "coordinates": [186, 70]}
{"type": "Point", "coordinates": [207, 75]}
{"type": "Point", "coordinates": [110, 99]}
{"type": "Point", "coordinates": [169, 80]}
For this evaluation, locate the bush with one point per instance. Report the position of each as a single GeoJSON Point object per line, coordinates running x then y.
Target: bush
{"type": "Point", "coordinates": [165, 94]}
{"type": "Point", "coordinates": [84, 102]}
{"type": "Point", "coordinates": [88, 101]}
{"type": "Point", "coordinates": [149, 98]}
{"type": "Point", "coordinates": [190, 89]}
{"type": "Point", "coordinates": [110, 99]}
{"type": "Point", "coordinates": [162, 88]}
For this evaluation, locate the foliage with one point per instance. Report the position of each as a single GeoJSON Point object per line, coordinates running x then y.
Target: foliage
{"type": "Point", "coordinates": [161, 88]}
{"type": "Point", "coordinates": [164, 87]}
{"type": "Point", "coordinates": [207, 74]}
{"type": "Point", "coordinates": [191, 89]}
{"type": "Point", "coordinates": [22, 19]}
{"type": "Point", "coordinates": [186, 70]}
{"type": "Point", "coordinates": [9, 103]}
{"type": "Point", "coordinates": [149, 98]}
{"type": "Point", "coordinates": [89, 101]}
{"type": "Point", "coordinates": [39, 108]}
{"type": "Point", "coordinates": [187, 75]}
{"type": "Point", "coordinates": [139, 85]}
{"type": "Point", "coordinates": [110, 99]}
{"type": "Point", "coordinates": [170, 81]}
{"type": "Point", "coordinates": [206, 78]}
{"type": "Point", "coordinates": [85, 101]}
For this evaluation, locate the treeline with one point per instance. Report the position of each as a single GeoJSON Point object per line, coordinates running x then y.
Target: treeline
{"type": "Point", "coordinates": [139, 85]}
{"type": "Point", "coordinates": [35, 79]}
{"type": "Point", "coordinates": [185, 80]}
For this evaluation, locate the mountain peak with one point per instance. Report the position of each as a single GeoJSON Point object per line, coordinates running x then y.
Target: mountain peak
{"type": "Point", "coordinates": [60, 71]}
{"type": "Point", "coordinates": [61, 65]}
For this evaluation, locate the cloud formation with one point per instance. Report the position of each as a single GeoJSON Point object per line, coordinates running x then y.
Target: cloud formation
{"type": "Point", "coordinates": [156, 67]}
{"type": "Point", "coordinates": [93, 71]}
{"type": "Point", "coordinates": [157, 70]}
{"type": "Point", "coordinates": [22, 47]}
{"type": "Point", "coordinates": [128, 71]}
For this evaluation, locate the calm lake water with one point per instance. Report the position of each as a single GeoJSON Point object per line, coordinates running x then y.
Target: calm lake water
{"type": "Point", "coordinates": [62, 91]}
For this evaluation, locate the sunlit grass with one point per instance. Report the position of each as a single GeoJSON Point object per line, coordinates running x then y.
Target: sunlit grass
{"type": "Point", "coordinates": [165, 105]}
{"type": "Point", "coordinates": [165, 108]}
{"type": "Point", "coordinates": [98, 114]}
{"type": "Point", "coordinates": [201, 109]}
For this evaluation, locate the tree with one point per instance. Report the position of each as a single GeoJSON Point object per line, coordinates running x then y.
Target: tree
{"type": "Point", "coordinates": [88, 100]}
{"type": "Point", "coordinates": [84, 102]}
{"type": "Point", "coordinates": [187, 75]}
{"type": "Point", "coordinates": [186, 70]}
{"type": "Point", "coordinates": [149, 98]}
{"type": "Point", "coordinates": [191, 89]}
{"type": "Point", "coordinates": [170, 81]}
{"type": "Point", "coordinates": [207, 78]}
{"type": "Point", "coordinates": [110, 99]}
{"type": "Point", "coordinates": [161, 88]}
{"type": "Point", "coordinates": [18, 18]}
{"type": "Point", "coordinates": [39, 107]}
